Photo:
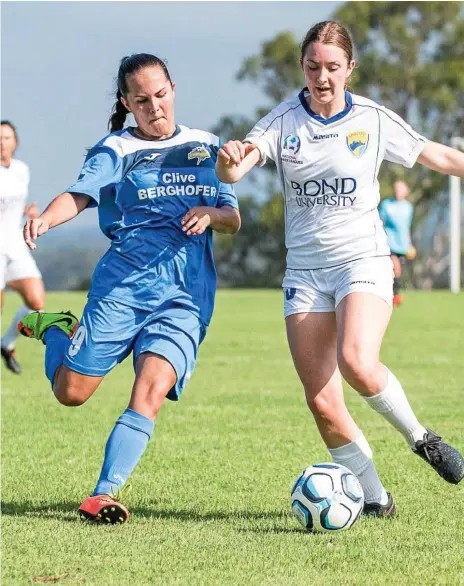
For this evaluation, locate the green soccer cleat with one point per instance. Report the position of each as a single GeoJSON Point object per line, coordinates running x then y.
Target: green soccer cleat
{"type": "Point", "coordinates": [35, 324]}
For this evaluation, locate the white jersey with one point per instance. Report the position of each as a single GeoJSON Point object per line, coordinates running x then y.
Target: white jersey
{"type": "Point", "coordinates": [14, 185]}
{"type": "Point", "coordinates": [328, 169]}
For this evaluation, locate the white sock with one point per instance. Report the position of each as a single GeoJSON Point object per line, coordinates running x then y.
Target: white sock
{"type": "Point", "coordinates": [393, 404]}
{"type": "Point", "coordinates": [9, 339]}
{"type": "Point", "coordinates": [357, 457]}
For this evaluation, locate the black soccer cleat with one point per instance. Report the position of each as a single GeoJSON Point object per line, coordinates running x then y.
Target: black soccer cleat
{"type": "Point", "coordinates": [10, 360]}
{"type": "Point", "coordinates": [446, 460]}
{"type": "Point", "coordinates": [378, 510]}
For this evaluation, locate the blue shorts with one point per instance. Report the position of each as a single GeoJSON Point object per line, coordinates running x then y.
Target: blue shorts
{"type": "Point", "coordinates": [109, 331]}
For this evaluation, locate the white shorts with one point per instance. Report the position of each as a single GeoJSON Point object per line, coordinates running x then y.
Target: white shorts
{"type": "Point", "coordinates": [16, 263]}
{"type": "Point", "coordinates": [320, 290]}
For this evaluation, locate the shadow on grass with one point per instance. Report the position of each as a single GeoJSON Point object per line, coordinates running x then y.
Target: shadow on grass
{"type": "Point", "coordinates": [67, 511]}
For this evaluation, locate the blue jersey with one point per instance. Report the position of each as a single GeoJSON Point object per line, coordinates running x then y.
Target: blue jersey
{"type": "Point", "coordinates": [143, 188]}
{"type": "Point", "coordinates": [396, 216]}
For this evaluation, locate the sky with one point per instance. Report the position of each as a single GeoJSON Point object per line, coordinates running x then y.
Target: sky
{"type": "Point", "coordinates": [59, 61]}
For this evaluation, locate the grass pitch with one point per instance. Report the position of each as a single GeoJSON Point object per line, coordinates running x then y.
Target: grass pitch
{"type": "Point", "coordinates": [210, 499]}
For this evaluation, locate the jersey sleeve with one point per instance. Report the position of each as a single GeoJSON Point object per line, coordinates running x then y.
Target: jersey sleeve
{"type": "Point", "coordinates": [27, 175]}
{"type": "Point", "coordinates": [402, 144]}
{"type": "Point", "coordinates": [410, 213]}
{"type": "Point", "coordinates": [102, 167]}
{"type": "Point", "coordinates": [265, 135]}
{"type": "Point", "coordinates": [226, 196]}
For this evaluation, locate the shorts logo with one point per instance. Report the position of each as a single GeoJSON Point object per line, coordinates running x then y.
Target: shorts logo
{"type": "Point", "coordinates": [290, 293]}
{"type": "Point", "coordinates": [362, 283]}
{"type": "Point", "coordinates": [77, 340]}
{"type": "Point", "coordinates": [291, 144]}
{"type": "Point", "coordinates": [199, 153]}
{"type": "Point", "coordinates": [357, 142]}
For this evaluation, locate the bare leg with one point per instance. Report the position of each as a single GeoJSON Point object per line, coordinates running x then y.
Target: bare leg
{"type": "Point", "coordinates": [313, 343]}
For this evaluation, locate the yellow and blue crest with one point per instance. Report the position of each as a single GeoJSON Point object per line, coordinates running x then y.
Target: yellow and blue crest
{"type": "Point", "coordinates": [357, 142]}
{"type": "Point", "coordinates": [199, 153]}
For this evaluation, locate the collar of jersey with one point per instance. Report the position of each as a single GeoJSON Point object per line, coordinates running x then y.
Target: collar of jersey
{"type": "Point", "coordinates": [131, 130]}
{"type": "Point", "coordinates": [342, 114]}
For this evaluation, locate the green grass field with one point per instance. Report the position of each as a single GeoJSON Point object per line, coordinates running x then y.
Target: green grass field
{"type": "Point", "coordinates": [210, 499]}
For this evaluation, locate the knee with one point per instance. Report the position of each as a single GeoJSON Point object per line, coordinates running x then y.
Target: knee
{"type": "Point", "coordinates": [151, 394]}
{"type": "Point", "coordinates": [358, 367]}
{"type": "Point", "coordinates": [35, 302]}
{"type": "Point", "coordinates": [321, 405]}
{"type": "Point", "coordinates": [69, 395]}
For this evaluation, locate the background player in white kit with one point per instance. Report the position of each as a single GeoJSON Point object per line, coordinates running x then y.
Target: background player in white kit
{"type": "Point", "coordinates": [328, 145]}
{"type": "Point", "coordinates": [17, 267]}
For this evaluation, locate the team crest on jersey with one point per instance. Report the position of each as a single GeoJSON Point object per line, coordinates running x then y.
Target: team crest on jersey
{"type": "Point", "coordinates": [199, 153]}
{"type": "Point", "coordinates": [292, 144]}
{"type": "Point", "coordinates": [357, 142]}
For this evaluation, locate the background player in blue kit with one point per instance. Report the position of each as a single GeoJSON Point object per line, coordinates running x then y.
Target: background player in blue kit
{"type": "Point", "coordinates": [396, 214]}
{"type": "Point", "coordinates": [153, 291]}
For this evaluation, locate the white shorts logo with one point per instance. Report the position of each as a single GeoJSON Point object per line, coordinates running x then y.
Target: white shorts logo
{"type": "Point", "coordinates": [77, 340]}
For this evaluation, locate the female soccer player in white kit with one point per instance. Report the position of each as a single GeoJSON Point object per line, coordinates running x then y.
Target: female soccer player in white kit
{"type": "Point", "coordinates": [17, 267]}
{"type": "Point", "coordinates": [328, 145]}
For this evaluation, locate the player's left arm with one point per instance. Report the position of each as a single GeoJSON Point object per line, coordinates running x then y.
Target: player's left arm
{"type": "Point", "coordinates": [225, 219]}
{"type": "Point", "coordinates": [442, 158]}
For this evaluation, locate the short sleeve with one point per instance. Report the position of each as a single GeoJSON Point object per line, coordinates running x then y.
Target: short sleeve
{"type": "Point", "coordinates": [102, 167]}
{"type": "Point", "coordinates": [411, 212]}
{"type": "Point", "coordinates": [265, 135]}
{"type": "Point", "coordinates": [402, 144]}
{"type": "Point", "coordinates": [27, 175]}
{"type": "Point", "coordinates": [226, 196]}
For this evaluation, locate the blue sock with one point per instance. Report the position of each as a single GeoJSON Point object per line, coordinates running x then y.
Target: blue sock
{"type": "Point", "coordinates": [124, 448]}
{"type": "Point", "coordinates": [57, 344]}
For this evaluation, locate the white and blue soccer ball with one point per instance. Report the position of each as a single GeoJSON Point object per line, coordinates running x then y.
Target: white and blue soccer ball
{"type": "Point", "coordinates": [327, 497]}
{"type": "Point", "coordinates": [292, 144]}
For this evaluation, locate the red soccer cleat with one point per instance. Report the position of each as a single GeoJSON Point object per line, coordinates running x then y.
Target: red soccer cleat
{"type": "Point", "coordinates": [103, 508]}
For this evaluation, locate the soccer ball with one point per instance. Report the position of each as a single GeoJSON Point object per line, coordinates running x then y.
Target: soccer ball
{"type": "Point", "coordinates": [327, 497]}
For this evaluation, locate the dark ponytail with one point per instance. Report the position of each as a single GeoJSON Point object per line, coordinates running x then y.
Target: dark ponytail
{"type": "Point", "coordinates": [119, 114]}
{"type": "Point", "coordinates": [128, 66]}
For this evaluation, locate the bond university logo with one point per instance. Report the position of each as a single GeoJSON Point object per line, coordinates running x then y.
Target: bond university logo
{"type": "Point", "coordinates": [357, 142]}
{"type": "Point", "coordinates": [199, 153]}
{"type": "Point", "coordinates": [291, 144]}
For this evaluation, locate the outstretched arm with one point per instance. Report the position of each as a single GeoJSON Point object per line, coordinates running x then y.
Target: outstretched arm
{"type": "Point", "coordinates": [63, 208]}
{"type": "Point", "coordinates": [235, 159]}
{"type": "Point", "coordinates": [442, 158]}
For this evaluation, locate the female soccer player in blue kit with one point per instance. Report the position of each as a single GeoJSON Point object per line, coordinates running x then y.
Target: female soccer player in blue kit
{"type": "Point", "coordinates": [396, 214]}
{"type": "Point", "coordinates": [152, 293]}
{"type": "Point", "coordinates": [328, 144]}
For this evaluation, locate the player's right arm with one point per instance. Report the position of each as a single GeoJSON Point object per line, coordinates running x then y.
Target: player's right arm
{"type": "Point", "coordinates": [102, 168]}
{"type": "Point", "coordinates": [235, 158]}
{"type": "Point", "coordinates": [63, 208]}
